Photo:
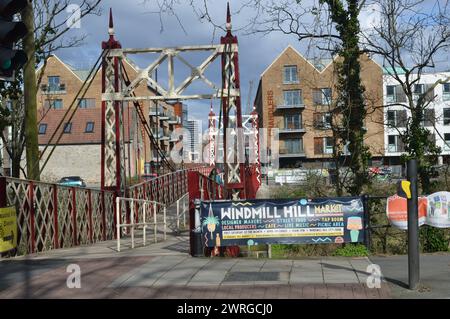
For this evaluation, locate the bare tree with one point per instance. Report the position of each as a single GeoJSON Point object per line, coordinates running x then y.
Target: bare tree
{"type": "Point", "coordinates": [409, 38]}
{"type": "Point", "coordinates": [51, 21]}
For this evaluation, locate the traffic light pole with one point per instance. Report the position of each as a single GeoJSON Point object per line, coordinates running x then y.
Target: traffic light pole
{"type": "Point", "coordinates": [413, 227]}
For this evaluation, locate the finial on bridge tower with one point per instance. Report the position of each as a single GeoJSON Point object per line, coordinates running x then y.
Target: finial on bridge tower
{"type": "Point", "coordinates": [111, 24]}
{"type": "Point", "coordinates": [228, 25]}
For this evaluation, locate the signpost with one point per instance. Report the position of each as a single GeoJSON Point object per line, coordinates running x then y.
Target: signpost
{"type": "Point", "coordinates": [413, 226]}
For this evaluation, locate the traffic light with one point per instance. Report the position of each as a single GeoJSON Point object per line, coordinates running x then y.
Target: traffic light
{"type": "Point", "coordinates": [10, 32]}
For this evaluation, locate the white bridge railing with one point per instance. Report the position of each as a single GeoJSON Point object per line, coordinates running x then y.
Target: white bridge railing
{"type": "Point", "coordinates": [143, 213]}
{"type": "Point", "coordinates": [182, 210]}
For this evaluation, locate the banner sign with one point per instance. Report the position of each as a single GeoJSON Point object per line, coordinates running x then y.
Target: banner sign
{"type": "Point", "coordinates": [314, 221]}
{"type": "Point", "coordinates": [8, 229]}
{"type": "Point", "coordinates": [434, 210]}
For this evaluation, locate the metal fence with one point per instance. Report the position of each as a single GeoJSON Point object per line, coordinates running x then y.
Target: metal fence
{"type": "Point", "coordinates": [166, 189]}
{"type": "Point", "coordinates": [51, 216]}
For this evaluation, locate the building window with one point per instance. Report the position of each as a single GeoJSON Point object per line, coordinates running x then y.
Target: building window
{"type": "Point", "coordinates": [446, 91]}
{"type": "Point", "coordinates": [56, 104]}
{"type": "Point", "coordinates": [395, 144]}
{"type": "Point", "coordinates": [293, 98]}
{"type": "Point", "coordinates": [395, 94]}
{"type": "Point", "coordinates": [428, 118]}
{"type": "Point", "coordinates": [390, 92]}
{"type": "Point", "coordinates": [323, 145]}
{"type": "Point", "coordinates": [293, 146]}
{"type": "Point", "coordinates": [42, 128]}
{"type": "Point", "coordinates": [68, 127]}
{"type": "Point", "coordinates": [396, 118]}
{"type": "Point", "coordinates": [447, 116]}
{"type": "Point", "coordinates": [447, 142]}
{"type": "Point", "coordinates": [53, 83]}
{"type": "Point", "coordinates": [292, 122]}
{"type": "Point", "coordinates": [322, 120]}
{"type": "Point", "coordinates": [418, 89]}
{"type": "Point", "coordinates": [290, 74]}
{"type": "Point", "coordinates": [322, 96]}
{"type": "Point", "coordinates": [89, 127]}
{"type": "Point", "coordinates": [86, 103]}
{"type": "Point", "coordinates": [328, 145]}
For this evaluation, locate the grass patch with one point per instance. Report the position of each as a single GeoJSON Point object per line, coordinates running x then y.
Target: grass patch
{"type": "Point", "coordinates": [352, 250]}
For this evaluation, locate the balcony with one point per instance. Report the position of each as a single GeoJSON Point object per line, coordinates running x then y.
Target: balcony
{"type": "Point", "coordinates": [284, 106]}
{"type": "Point", "coordinates": [392, 148]}
{"type": "Point", "coordinates": [160, 112]}
{"type": "Point", "coordinates": [291, 153]}
{"type": "Point", "coordinates": [294, 129]}
{"type": "Point", "coordinates": [162, 135]}
{"type": "Point", "coordinates": [174, 120]}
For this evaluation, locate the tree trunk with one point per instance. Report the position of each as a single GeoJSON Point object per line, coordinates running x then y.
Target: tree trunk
{"type": "Point", "coordinates": [30, 91]}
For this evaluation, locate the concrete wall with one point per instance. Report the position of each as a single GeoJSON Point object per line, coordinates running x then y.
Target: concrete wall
{"type": "Point", "coordinates": [74, 160]}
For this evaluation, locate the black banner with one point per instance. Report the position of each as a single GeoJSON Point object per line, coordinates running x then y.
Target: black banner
{"type": "Point", "coordinates": [307, 221]}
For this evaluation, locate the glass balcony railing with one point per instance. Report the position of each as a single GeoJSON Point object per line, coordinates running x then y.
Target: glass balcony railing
{"type": "Point", "coordinates": [291, 129]}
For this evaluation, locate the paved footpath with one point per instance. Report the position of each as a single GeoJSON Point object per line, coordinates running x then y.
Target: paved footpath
{"type": "Point", "coordinates": [165, 270]}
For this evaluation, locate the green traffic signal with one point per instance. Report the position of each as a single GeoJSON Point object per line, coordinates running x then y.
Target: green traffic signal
{"type": "Point", "coordinates": [11, 32]}
{"type": "Point", "coordinates": [8, 8]}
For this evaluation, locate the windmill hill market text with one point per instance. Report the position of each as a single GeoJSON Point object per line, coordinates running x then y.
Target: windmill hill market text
{"type": "Point", "coordinates": [285, 212]}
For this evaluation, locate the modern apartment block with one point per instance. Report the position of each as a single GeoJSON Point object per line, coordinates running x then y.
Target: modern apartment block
{"type": "Point", "coordinates": [436, 114]}
{"type": "Point", "coordinates": [297, 96]}
{"type": "Point", "coordinates": [79, 149]}
{"type": "Point", "coordinates": [194, 150]}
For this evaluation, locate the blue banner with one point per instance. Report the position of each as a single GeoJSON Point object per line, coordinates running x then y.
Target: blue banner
{"type": "Point", "coordinates": [307, 221]}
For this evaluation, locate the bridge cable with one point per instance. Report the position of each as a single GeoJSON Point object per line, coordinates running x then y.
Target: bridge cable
{"type": "Point", "coordinates": [96, 68]}
{"type": "Point", "coordinates": [144, 122]}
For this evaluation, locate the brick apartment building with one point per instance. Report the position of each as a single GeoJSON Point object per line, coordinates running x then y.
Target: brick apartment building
{"type": "Point", "coordinates": [79, 150]}
{"type": "Point", "coordinates": [296, 96]}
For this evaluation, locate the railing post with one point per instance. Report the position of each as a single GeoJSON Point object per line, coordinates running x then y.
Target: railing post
{"type": "Point", "coordinates": [74, 216]}
{"type": "Point", "coordinates": [103, 215]}
{"type": "Point", "coordinates": [178, 215]}
{"type": "Point", "coordinates": [91, 224]}
{"type": "Point", "coordinates": [31, 216]}
{"type": "Point", "coordinates": [165, 224]}
{"type": "Point", "coordinates": [132, 222]}
{"type": "Point", "coordinates": [144, 213]}
{"type": "Point", "coordinates": [155, 229]}
{"type": "Point", "coordinates": [55, 217]}
{"type": "Point", "coordinates": [118, 223]}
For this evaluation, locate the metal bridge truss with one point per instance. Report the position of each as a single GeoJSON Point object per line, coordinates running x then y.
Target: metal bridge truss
{"type": "Point", "coordinates": [116, 91]}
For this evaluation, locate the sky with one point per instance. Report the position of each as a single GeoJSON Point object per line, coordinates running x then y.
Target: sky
{"type": "Point", "coordinates": [137, 26]}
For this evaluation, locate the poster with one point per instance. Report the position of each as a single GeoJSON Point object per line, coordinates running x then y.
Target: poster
{"type": "Point", "coordinates": [8, 229]}
{"type": "Point", "coordinates": [438, 212]}
{"type": "Point", "coordinates": [308, 221]}
{"type": "Point", "coordinates": [433, 210]}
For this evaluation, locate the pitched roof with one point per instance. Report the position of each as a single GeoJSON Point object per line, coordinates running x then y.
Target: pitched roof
{"type": "Point", "coordinates": [319, 67]}
{"type": "Point", "coordinates": [78, 135]}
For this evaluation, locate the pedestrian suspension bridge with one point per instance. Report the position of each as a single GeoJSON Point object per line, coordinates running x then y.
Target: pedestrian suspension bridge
{"type": "Point", "coordinates": [52, 216]}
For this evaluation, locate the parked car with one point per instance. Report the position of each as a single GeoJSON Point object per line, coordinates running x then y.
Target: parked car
{"type": "Point", "coordinates": [75, 181]}
{"type": "Point", "coordinates": [148, 177]}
